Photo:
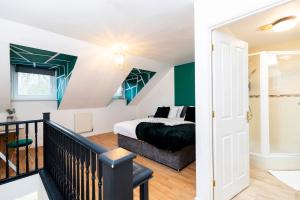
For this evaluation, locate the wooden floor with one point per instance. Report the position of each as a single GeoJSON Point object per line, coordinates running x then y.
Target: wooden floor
{"type": "Point", "coordinates": [31, 160]}
{"type": "Point", "coordinates": [168, 184]}
{"type": "Point", "coordinates": [264, 186]}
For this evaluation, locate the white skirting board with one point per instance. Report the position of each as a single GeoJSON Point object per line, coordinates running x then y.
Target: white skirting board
{"type": "Point", "coordinates": [89, 134]}
{"type": "Point", "coordinates": [275, 161]}
{"type": "Point", "coordinates": [290, 178]}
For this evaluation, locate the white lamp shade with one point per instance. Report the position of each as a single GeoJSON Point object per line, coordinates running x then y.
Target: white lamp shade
{"type": "Point", "coordinates": [284, 25]}
{"type": "Point", "coordinates": [119, 59]}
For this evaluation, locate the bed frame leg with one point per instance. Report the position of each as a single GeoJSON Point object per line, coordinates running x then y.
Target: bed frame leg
{"type": "Point", "coordinates": [144, 193]}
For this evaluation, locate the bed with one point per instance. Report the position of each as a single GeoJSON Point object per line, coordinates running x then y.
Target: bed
{"type": "Point", "coordinates": [175, 155]}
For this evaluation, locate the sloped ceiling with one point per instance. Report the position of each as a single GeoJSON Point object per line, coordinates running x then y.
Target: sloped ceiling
{"type": "Point", "coordinates": [95, 78]}
{"type": "Point", "coordinates": [38, 57]}
{"type": "Point", "coordinates": [162, 30]}
{"type": "Point", "coordinates": [247, 29]}
{"type": "Point", "coordinates": [95, 86]}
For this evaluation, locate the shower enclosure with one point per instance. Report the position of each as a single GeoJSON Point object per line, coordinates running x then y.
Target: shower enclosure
{"type": "Point", "coordinates": [274, 89]}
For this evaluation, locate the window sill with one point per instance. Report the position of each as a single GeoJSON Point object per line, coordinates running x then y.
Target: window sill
{"type": "Point", "coordinates": [118, 98]}
{"type": "Point", "coordinates": [22, 100]}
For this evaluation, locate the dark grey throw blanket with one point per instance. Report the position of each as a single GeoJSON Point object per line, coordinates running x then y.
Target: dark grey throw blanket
{"type": "Point", "coordinates": [172, 138]}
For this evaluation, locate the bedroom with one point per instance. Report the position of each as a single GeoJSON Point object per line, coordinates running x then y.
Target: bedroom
{"type": "Point", "coordinates": [85, 103]}
{"type": "Point", "coordinates": [94, 51]}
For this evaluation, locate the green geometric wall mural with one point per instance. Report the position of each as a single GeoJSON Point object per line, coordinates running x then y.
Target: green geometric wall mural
{"type": "Point", "coordinates": [60, 64]}
{"type": "Point", "coordinates": [135, 82]}
{"type": "Point", "coordinates": [63, 75]}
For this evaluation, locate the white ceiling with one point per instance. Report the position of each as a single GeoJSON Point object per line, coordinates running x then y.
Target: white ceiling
{"type": "Point", "coordinates": [247, 29]}
{"type": "Point", "coordinates": [162, 30]}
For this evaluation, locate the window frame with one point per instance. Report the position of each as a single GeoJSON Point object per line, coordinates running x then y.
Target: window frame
{"type": "Point", "coordinates": [16, 97]}
{"type": "Point", "coordinates": [122, 97]}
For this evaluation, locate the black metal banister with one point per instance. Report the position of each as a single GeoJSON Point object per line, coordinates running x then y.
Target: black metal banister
{"type": "Point", "coordinates": [71, 160]}
{"type": "Point", "coordinates": [20, 122]}
{"type": "Point", "coordinates": [18, 150]}
{"type": "Point", "coordinates": [36, 145]}
{"type": "Point", "coordinates": [77, 167]}
{"type": "Point", "coordinates": [6, 152]}
{"type": "Point", "coordinates": [26, 148]}
{"type": "Point", "coordinates": [79, 139]}
{"type": "Point", "coordinates": [117, 174]}
{"type": "Point", "coordinates": [17, 137]}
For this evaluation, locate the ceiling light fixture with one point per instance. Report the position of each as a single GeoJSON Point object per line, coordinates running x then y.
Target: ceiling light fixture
{"type": "Point", "coordinates": [282, 24]}
{"type": "Point", "coordinates": [119, 57]}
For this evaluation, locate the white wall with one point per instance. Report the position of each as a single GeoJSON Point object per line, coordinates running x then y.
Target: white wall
{"type": "Point", "coordinates": [284, 125]}
{"type": "Point", "coordinates": [284, 111]}
{"type": "Point", "coordinates": [4, 77]}
{"type": "Point", "coordinates": [210, 14]}
{"type": "Point", "coordinates": [94, 67]}
{"type": "Point", "coordinates": [28, 188]}
{"type": "Point", "coordinates": [161, 70]}
{"type": "Point", "coordinates": [284, 116]}
{"type": "Point", "coordinates": [254, 101]}
{"type": "Point", "coordinates": [94, 80]}
{"type": "Point", "coordinates": [161, 95]}
{"type": "Point", "coordinates": [103, 118]}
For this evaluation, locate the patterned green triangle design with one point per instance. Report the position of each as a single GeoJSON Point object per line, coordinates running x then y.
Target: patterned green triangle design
{"type": "Point", "coordinates": [63, 64]}
{"type": "Point", "coordinates": [135, 82]}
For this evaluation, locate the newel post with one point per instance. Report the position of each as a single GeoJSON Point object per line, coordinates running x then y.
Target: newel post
{"type": "Point", "coordinates": [46, 117]}
{"type": "Point", "coordinates": [117, 174]}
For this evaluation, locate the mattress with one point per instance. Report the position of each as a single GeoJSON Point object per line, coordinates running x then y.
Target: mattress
{"type": "Point", "coordinates": [127, 128]}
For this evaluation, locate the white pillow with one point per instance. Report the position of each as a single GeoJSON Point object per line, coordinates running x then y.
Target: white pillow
{"type": "Point", "coordinates": [173, 112]}
{"type": "Point", "coordinates": [179, 111]}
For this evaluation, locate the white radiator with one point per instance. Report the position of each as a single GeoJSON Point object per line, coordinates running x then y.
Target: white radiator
{"type": "Point", "coordinates": [83, 122]}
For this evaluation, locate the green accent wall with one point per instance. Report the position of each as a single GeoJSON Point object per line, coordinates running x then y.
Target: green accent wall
{"type": "Point", "coordinates": [184, 78]}
{"type": "Point", "coordinates": [135, 81]}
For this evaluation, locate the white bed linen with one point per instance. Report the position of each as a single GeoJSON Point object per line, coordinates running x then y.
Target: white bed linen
{"type": "Point", "coordinates": [127, 128]}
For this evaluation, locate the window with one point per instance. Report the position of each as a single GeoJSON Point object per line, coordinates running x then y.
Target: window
{"type": "Point", "coordinates": [119, 93]}
{"type": "Point", "coordinates": [31, 86]}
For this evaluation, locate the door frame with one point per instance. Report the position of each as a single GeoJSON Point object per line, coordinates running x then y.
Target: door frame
{"type": "Point", "coordinates": [204, 106]}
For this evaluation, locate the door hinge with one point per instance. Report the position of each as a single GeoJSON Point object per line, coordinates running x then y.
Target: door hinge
{"type": "Point", "coordinates": [213, 114]}
{"type": "Point", "coordinates": [249, 116]}
{"type": "Point", "coordinates": [214, 183]}
{"type": "Point", "coordinates": [212, 47]}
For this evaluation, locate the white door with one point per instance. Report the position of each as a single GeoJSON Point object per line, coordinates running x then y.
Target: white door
{"type": "Point", "coordinates": [230, 125]}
